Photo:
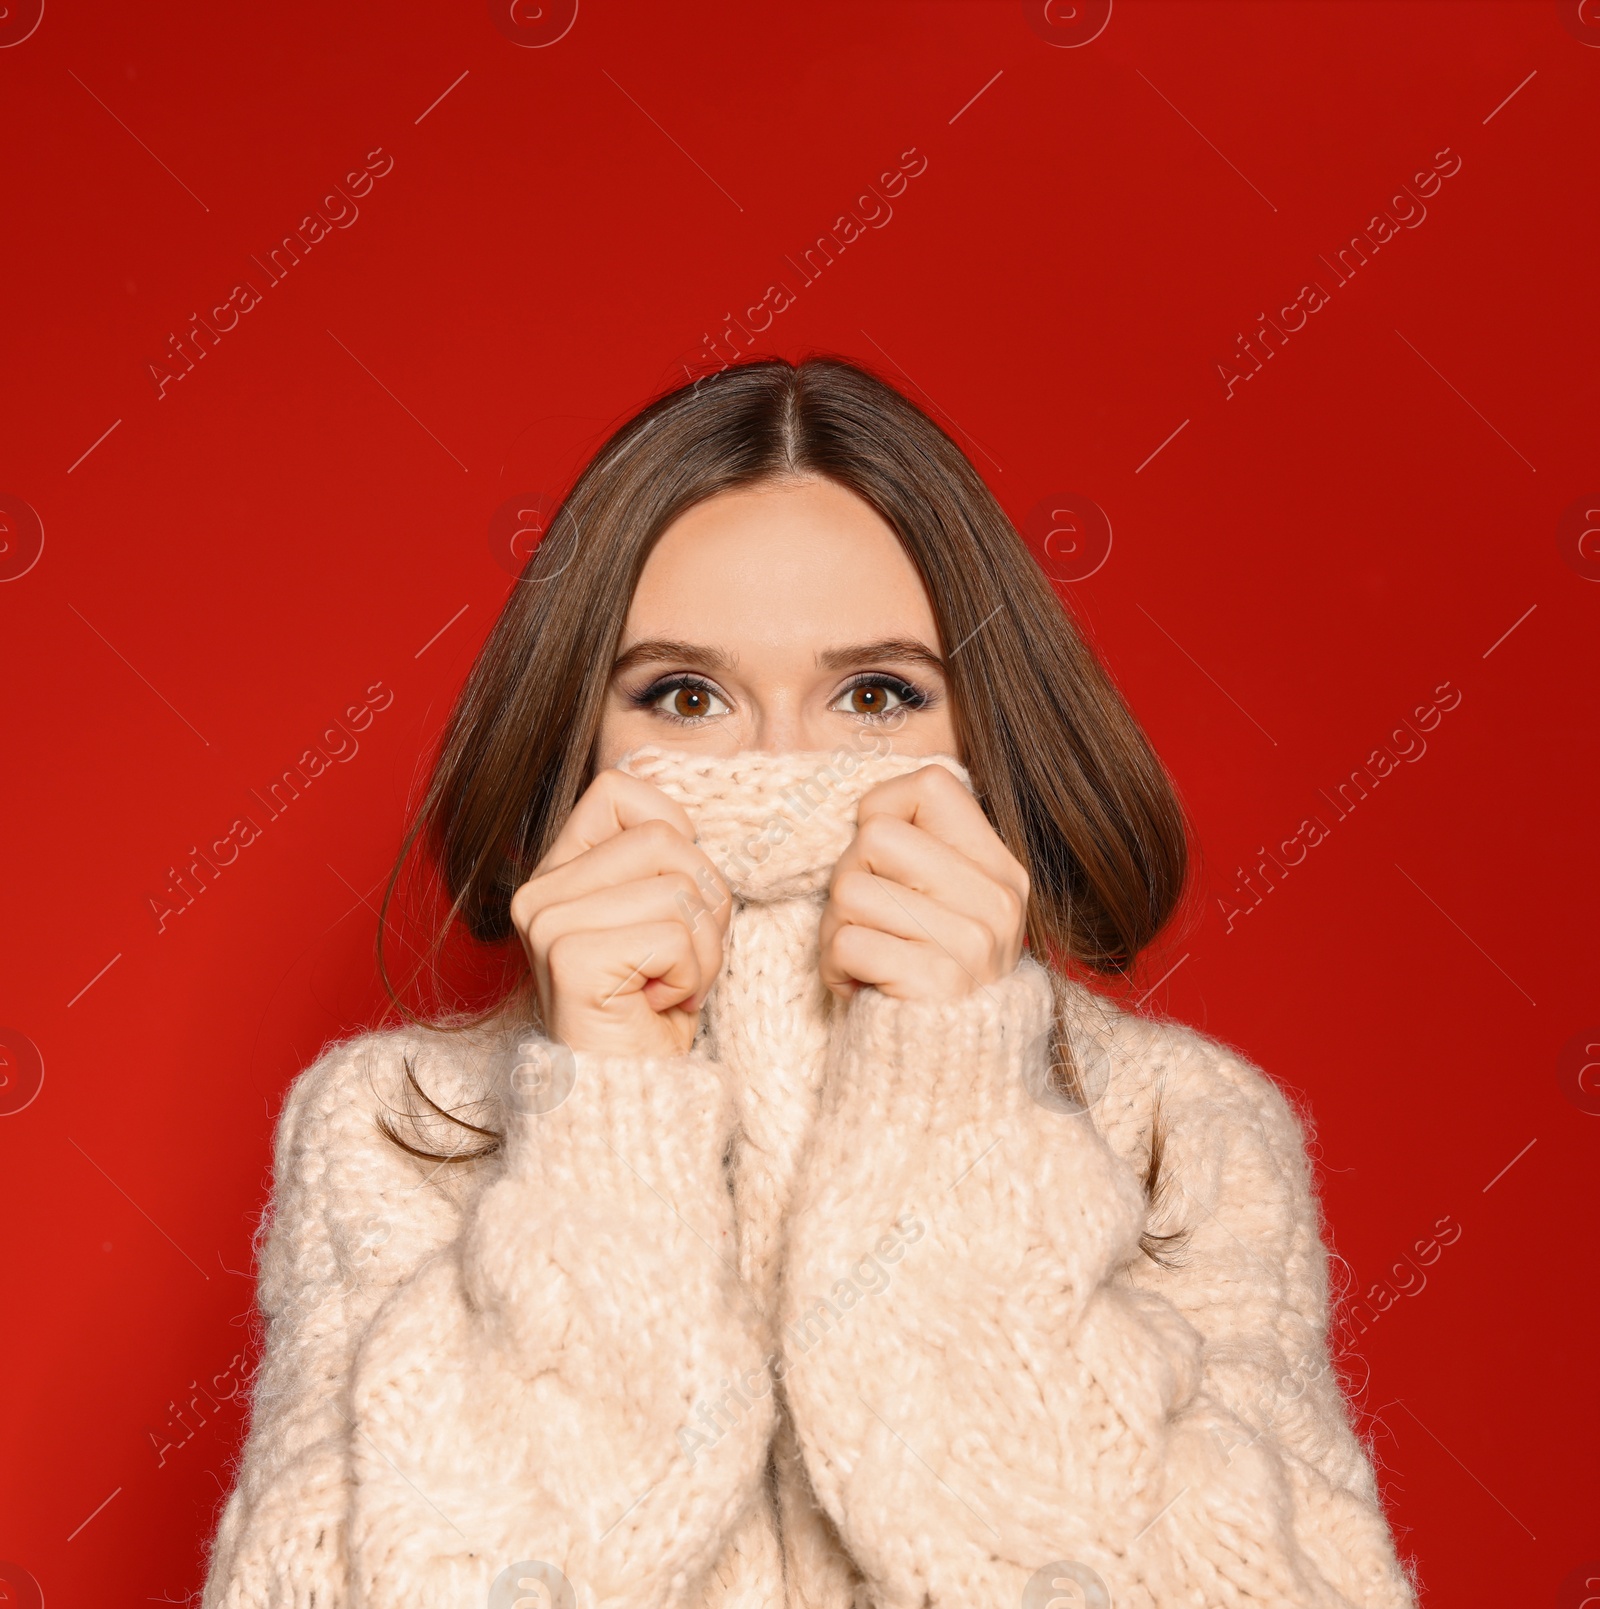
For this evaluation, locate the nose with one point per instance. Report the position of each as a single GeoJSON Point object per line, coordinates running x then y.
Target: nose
{"type": "Point", "coordinates": [777, 735]}
{"type": "Point", "coordinates": [779, 726]}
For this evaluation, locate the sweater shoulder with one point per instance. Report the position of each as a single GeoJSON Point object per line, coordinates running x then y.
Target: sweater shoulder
{"type": "Point", "coordinates": [1251, 1269]}
{"type": "Point", "coordinates": [1209, 1096]}
{"type": "Point", "coordinates": [350, 1204]}
{"type": "Point", "coordinates": [337, 1102]}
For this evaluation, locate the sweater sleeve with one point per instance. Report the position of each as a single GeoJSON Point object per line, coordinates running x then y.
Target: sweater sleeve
{"type": "Point", "coordinates": [449, 1392]}
{"type": "Point", "coordinates": [990, 1406]}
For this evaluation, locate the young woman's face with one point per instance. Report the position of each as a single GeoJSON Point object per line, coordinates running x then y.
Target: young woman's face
{"type": "Point", "coordinates": [779, 617]}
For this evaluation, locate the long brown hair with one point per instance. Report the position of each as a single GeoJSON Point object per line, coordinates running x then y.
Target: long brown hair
{"type": "Point", "coordinates": [1067, 777]}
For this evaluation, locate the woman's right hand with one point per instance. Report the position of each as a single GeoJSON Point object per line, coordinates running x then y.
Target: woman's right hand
{"type": "Point", "coordinates": [623, 923]}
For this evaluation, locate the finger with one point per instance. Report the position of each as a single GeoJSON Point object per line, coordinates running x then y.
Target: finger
{"type": "Point", "coordinates": [892, 848]}
{"type": "Point", "coordinates": [644, 850]}
{"type": "Point", "coordinates": [611, 804]}
{"type": "Point", "coordinates": [602, 969]}
{"type": "Point", "coordinates": [935, 800]}
{"type": "Point", "coordinates": [666, 897]}
{"type": "Point", "coordinates": [898, 967]}
{"type": "Point", "coordinates": [859, 899]}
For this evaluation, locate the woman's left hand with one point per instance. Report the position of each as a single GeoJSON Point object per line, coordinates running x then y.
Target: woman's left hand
{"type": "Point", "coordinates": [926, 903]}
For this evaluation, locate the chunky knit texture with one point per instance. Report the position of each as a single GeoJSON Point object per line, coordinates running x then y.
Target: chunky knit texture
{"type": "Point", "coordinates": [844, 1307]}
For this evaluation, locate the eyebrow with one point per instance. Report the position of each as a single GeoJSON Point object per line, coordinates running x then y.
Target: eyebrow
{"type": "Point", "coordinates": [905, 649]}
{"type": "Point", "coordinates": [664, 650]}
{"type": "Point", "coordinates": [659, 650]}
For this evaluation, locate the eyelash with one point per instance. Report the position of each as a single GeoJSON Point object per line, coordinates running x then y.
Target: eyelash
{"type": "Point", "coordinates": [910, 696]}
{"type": "Point", "coordinates": [647, 698]}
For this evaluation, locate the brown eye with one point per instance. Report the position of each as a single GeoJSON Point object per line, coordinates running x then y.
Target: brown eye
{"type": "Point", "coordinates": [873, 699]}
{"type": "Point", "coordinates": [682, 701]}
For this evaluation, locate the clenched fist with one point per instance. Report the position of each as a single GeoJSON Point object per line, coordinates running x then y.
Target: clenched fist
{"type": "Point", "coordinates": [623, 923]}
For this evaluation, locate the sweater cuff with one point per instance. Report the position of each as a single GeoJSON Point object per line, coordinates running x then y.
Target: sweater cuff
{"type": "Point", "coordinates": [936, 1066]}
{"type": "Point", "coordinates": [948, 1079]}
{"type": "Point", "coordinates": [580, 1123]}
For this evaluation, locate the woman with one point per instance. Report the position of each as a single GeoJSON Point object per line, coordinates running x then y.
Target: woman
{"type": "Point", "coordinates": [803, 1229]}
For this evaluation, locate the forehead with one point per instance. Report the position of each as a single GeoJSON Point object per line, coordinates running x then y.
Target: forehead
{"type": "Point", "coordinates": [800, 559]}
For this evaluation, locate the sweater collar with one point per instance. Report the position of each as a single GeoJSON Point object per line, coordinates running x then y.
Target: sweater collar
{"type": "Point", "coordinates": [775, 824]}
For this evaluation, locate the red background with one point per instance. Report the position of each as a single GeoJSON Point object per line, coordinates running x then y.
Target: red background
{"type": "Point", "coordinates": [310, 513]}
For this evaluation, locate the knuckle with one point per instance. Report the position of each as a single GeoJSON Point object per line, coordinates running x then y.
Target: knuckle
{"type": "Point", "coordinates": [1016, 872]}
{"type": "Point", "coordinates": [683, 888]}
{"type": "Point", "coordinates": [873, 834]}
{"type": "Point", "coordinates": [541, 928]}
{"type": "Point", "coordinates": [1013, 905]}
{"type": "Point", "coordinates": [562, 960]}
{"type": "Point", "coordinates": [850, 888]}
{"type": "Point", "coordinates": [524, 907]}
{"type": "Point", "coordinates": [849, 860]}
{"type": "Point", "coordinates": [668, 900]}
{"type": "Point", "coordinates": [658, 834]}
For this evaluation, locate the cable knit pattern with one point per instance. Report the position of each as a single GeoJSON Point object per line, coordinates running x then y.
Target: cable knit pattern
{"type": "Point", "coordinates": [830, 1312]}
{"type": "Point", "coordinates": [448, 1392]}
{"type": "Point", "coordinates": [1022, 1385]}
{"type": "Point", "coordinates": [774, 825]}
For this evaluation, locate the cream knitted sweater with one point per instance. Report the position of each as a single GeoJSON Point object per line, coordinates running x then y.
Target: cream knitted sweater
{"type": "Point", "coordinates": [844, 1307]}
